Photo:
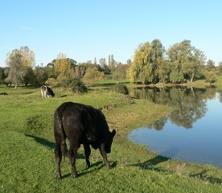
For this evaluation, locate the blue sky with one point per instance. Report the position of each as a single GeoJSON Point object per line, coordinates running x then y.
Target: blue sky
{"type": "Point", "coordinates": [85, 29]}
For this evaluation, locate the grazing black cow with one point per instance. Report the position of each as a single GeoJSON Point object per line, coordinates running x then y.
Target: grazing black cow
{"type": "Point", "coordinates": [81, 124]}
{"type": "Point", "coordinates": [46, 92]}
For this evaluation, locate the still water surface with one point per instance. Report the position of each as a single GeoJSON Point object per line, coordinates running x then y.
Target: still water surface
{"type": "Point", "coordinates": [191, 132]}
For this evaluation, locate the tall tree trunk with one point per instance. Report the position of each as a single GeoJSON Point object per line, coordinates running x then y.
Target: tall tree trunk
{"type": "Point", "coordinates": [192, 77]}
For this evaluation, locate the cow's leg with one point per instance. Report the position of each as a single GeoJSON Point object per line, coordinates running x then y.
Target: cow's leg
{"type": "Point", "coordinates": [72, 157]}
{"type": "Point", "coordinates": [58, 158]}
{"type": "Point", "coordinates": [104, 155]}
{"type": "Point", "coordinates": [87, 154]}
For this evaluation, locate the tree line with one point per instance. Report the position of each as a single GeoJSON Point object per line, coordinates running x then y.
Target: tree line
{"type": "Point", "coordinates": [61, 71]}
{"type": "Point", "coordinates": [151, 64]}
{"type": "Point", "coordinates": [181, 63]}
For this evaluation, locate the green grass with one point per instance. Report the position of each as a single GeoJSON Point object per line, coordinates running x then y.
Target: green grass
{"type": "Point", "coordinates": [27, 158]}
{"type": "Point", "coordinates": [219, 81]}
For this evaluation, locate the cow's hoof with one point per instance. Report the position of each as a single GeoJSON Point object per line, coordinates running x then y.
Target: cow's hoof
{"type": "Point", "coordinates": [108, 165]}
{"type": "Point", "coordinates": [58, 176]}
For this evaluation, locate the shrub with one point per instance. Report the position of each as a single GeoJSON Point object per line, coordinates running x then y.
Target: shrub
{"type": "Point", "coordinates": [52, 82]}
{"type": "Point", "coordinates": [210, 76]}
{"type": "Point", "coordinates": [76, 85]}
{"type": "Point", "coordinates": [93, 74]}
{"type": "Point", "coordinates": [121, 89]}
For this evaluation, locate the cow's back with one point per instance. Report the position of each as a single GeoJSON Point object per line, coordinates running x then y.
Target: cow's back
{"type": "Point", "coordinates": [69, 116]}
{"type": "Point", "coordinates": [82, 120]}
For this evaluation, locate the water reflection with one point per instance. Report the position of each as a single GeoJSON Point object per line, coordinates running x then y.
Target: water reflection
{"type": "Point", "coordinates": [189, 104]}
{"type": "Point", "coordinates": [171, 136]}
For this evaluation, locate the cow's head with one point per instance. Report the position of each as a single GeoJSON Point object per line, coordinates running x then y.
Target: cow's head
{"type": "Point", "coordinates": [109, 140]}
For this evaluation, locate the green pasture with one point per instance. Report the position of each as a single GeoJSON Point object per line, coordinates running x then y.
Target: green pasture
{"type": "Point", "coordinates": [27, 158]}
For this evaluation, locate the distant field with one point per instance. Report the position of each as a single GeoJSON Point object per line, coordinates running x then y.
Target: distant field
{"type": "Point", "coordinates": [27, 158]}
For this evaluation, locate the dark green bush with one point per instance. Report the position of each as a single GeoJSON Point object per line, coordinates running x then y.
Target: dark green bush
{"type": "Point", "coordinates": [121, 89]}
{"type": "Point", "coordinates": [76, 85]}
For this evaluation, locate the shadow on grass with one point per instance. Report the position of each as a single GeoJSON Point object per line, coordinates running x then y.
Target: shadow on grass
{"type": "Point", "coordinates": [62, 96]}
{"type": "Point", "coordinates": [152, 164]}
{"type": "Point", "coordinates": [42, 141]}
{"type": "Point", "coordinates": [203, 176]}
{"type": "Point", "coordinates": [49, 144]}
{"type": "Point", "coordinates": [103, 84]}
{"type": "Point", "coordinates": [93, 168]}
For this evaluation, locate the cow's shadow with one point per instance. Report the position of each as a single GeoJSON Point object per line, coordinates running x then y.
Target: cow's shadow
{"type": "Point", "coordinates": [42, 141]}
{"type": "Point", "coordinates": [152, 164]}
{"type": "Point", "coordinates": [48, 144]}
{"type": "Point", "coordinates": [203, 175]}
{"type": "Point", "coordinates": [93, 168]}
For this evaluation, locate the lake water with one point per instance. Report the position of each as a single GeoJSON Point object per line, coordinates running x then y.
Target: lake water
{"type": "Point", "coordinates": [192, 132]}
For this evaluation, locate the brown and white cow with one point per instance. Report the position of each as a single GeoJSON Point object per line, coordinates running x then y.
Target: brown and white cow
{"type": "Point", "coordinates": [46, 92]}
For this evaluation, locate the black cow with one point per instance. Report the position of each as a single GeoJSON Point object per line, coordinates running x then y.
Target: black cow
{"type": "Point", "coordinates": [81, 124]}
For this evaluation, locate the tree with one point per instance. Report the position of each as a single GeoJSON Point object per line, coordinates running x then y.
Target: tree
{"type": "Point", "coordinates": [210, 71]}
{"type": "Point", "coordinates": [210, 65]}
{"type": "Point", "coordinates": [41, 75]}
{"type": "Point", "coordinates": [20, 63]}
{"type": "Point", "coordinates": [120, 72]}
{"type": "Point", "coordinates": [210, 76]}
{"type": "Point", "coordinates": [139, 62]}
{"type": "Point", "coordinates": [92, 74]}
{"type": "Point", "coordinates": [164, 72]}
{"type": "Point", "coordinates": [185, 61]}
{"type": "Point", "coordinates": [28, 58]}
{"type": "Point", "coordinates": [64, 67]}
{"type": "Point", "coordinates": [111, 62]}
{"type": "Point", "coordinates": [95, 61]}
{"type": "Point", "coordinates": [129, 62]}
{"type": "Point", "coordinates": [219, 68]}
{"type": "Point", "coordinates": [102, 62]}
{"type": "Point", "coordinates": [156, 58]}
{"type": "Point", "coordinates": [146, 61]}
{"type": "Point", "coordinates": [2, 75]}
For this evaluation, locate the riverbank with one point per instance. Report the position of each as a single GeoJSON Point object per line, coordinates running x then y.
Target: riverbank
{"type": "Point", "coordinates": [27, 161]}
{"type": "Point", "coordinates": [195, 84]}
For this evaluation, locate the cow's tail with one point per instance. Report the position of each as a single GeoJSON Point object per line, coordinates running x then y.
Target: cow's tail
{"type": "Point", "coordinates": [62, 136]}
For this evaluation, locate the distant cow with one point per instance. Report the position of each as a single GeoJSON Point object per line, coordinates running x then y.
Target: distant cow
{"type": "Point", "coordinates": [81, 124]}
{"type": "Point", "coordinates": [46, 92]}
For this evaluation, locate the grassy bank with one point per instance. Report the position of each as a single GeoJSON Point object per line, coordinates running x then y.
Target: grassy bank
{"type": "Point", "coordinates": [219, 81]}
{"type": "Point", "coordinates": [27, 159]}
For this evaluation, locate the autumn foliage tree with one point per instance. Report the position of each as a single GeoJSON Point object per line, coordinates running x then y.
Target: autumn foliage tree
{"type": "Point", "coordinates": [20, 63]}
{"type": "Point", "coordinates": [64, 67]}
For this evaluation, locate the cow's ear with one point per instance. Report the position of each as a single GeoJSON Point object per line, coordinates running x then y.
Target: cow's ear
{"type": "Point", "coordinates": [113, 132]}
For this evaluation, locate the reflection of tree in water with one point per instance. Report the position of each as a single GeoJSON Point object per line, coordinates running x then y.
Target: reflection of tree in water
{"type": "Point", "coordinates": [189, 103]}
{"type": "Point", "coordinates": [220, 95]}
{"type": "Point", "coordinates": [158, 125]}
